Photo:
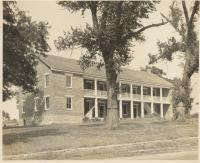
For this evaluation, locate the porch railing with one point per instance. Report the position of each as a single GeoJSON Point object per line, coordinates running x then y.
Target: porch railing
{"type": "Point", "coordinates": [101, 93]}
{"type": "Point", "coordinates": [156, 98]}
{"type": "Point", "coordinates": [126, 95]}
{"type": "Point", "coordinates": [166, 99]}
{"type": "Point", "coordinates": [137, 96]}
{"type": "Point", "coordinates": [147, 97]}
{"type": "Point", "coordinates": [89, 92]}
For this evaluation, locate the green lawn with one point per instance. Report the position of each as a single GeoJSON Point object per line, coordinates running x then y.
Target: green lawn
{"type": "Point", "coordinates": [62, 136]}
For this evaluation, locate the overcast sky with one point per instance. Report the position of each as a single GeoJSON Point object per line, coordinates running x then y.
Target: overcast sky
{"type": "Point", "coordinates": [61, 20]}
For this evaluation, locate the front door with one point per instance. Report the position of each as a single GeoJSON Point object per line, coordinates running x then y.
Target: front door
{"type": "Point", "coordinates": [102, 109]}
{"type": "Point", "coordinates": [126, 110]}
{"type": "Point", "coordinates": [89, 104]}
{"type": "Point", "coordinates": [136, 110]}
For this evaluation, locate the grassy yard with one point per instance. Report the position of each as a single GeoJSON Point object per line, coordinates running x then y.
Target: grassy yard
{"type": "Point", "coordinates": [66, 136]}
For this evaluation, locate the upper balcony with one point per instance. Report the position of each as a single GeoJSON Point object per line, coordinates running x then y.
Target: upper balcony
{"type": "Point", "coordinates": [95, 88]}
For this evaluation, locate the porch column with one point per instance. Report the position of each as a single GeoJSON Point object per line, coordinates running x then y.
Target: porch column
{"type": "Point", "coordinates": [120, 108]}
{"type": "Point", "coordinates": [161, 104]}
{"type": "Point", "coordinates": [142, 103]}
{"type": "Point", "coordinates": [132, 110]}
{"type": "Point", "coordinates": [161, 110]}
{"type": "Point", "coordinates": [152, 110]}
{"type": "Point", "coordinates": [161, 97]}
{"type": "Point", "coordinates": [142, 109]}
{"type": "Point", "coordinates": [142, 92]}
{"type": "Point", "coordinates": [96, 107]}
{"type": "Point", "coordinates": [152, 93]}
{"type": "Point", "coordinates": [95, 87]}
{"type": "Point", "coordinates": [131, 91]}
{"type": "Point", "coordinates": [120, 89]}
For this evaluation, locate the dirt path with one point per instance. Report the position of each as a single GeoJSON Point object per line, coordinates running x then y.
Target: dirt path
{"type": "Point", "coordinates": [186, 155]}
{"type": "Point", "coordinates": [112, 151]}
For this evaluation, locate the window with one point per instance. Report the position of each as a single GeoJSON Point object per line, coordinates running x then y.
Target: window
{"type": "Point", "coordinates": [47, 103]}
{"type": "Point", "coordinates": [125, 88]}
{"type": "Point", "coordinates": [36, 104]}
{"type": "Point", "coordinates": [136, 89]}
{"type": "Point", "coordinates": [23, 106]}
{"type": "Point", "coordinates": [125, 108]}
{"type": "Point", "coordinates": [156, 92]}
{"type": "Point", "coordinates": [68, 81]}
{"type": "Point", "coordinates": [69, 103]}
{"type": "Point", "coordinates": [88, 84]}
{"type": "Point", "coordinates": [46, 80]}
{"type": "Point", "coordinates": [146, 91]}
{"type": "Point", "coordinates": [102, 86]}
{"type": "Point", "coordinates": [17, 102]}
{"type": "Point", "coordinates": [135, 106]}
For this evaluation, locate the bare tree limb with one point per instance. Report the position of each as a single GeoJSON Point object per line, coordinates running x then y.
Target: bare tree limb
{"type": "Point", "coordinates": [194, 11]}
{"type": "Point", "coordinates": [147, 27]}
{"type": "Point", "coordinates": [185, 13]}
{"type": "Point", "coordinates": [156, 59]}
{"type": "Point", "coordinates": [167, 19]}
{"type": "Point", "coordinates": [93, 8]}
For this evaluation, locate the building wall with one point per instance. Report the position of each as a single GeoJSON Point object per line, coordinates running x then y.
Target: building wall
{"type": "Point", "coordinates": [28, 116]}
{"type": "Point", "coordinates": [59, 92]}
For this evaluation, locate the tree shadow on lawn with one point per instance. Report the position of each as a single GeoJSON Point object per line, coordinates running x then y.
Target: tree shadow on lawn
{"type": "Point", "coordinates": [25, 136]}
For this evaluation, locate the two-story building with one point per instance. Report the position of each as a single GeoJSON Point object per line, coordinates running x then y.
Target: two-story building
{"type": "Point", "coordinates": [70, 93]}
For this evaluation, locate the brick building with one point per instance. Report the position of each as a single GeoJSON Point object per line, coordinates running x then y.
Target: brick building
{"type": "Point", "coordinates": [69, 93]}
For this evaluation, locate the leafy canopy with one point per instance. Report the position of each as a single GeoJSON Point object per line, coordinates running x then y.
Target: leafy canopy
{"type": "Point", "coordinates": [115, 26]}
{"type": "Point", "coordinates": [184, 24]}
{"type": "Point", "coordinates": [23, 41]}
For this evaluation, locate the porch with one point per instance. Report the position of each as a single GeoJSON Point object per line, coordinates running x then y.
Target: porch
{"type": "Point", "coordinates": [97, 108]}
{"type": "Point", "coordinates": [138, 109]}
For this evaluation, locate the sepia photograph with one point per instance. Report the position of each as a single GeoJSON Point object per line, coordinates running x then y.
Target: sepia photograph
{"type": "Point", "coordinates": [100, 80]}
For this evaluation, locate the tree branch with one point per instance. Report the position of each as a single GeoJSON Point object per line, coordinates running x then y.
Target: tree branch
{"type": "Point", "coordinates": [152, 61]}
{"type": "Point", "coordinates": [93, 8]}
{"type": "Point", "coordinates": [147, 27]}
{"type": "Point", "coordinates": [185, 12]}
{"type": "Point", "coordinates": [167, 19]}
{"type": "Point", "coordinates": [194, 11]}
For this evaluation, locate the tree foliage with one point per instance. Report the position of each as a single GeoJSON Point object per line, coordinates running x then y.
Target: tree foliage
{"type": "Point", "coordinates": [185, 25]}
{"type": "Point", "coordinates": [116, 25]}
{"type": "Point", "coordinates": [23, 41]}
{"type": "Point", "coordinates": [154, 70]}
{"type": "Point", "coordinates": [113, 26]}
{"type": "Point", "coordinates": [178, 95]}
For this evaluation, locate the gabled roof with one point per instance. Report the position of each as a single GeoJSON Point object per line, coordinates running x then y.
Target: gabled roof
{"type": "Point", "coordinates": [70, 65]}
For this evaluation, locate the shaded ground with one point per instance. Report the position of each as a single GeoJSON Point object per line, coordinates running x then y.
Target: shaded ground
{"type": "Point", "coordinates": [64, 136]}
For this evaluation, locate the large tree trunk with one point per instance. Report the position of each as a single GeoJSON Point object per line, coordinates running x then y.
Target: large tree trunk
{"type": "Point", "coordinates": [185, 91]}
{"type": "Point", "coordinates": [190, 67]}
{"type": "Point", "coordinates": [112, 118]}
